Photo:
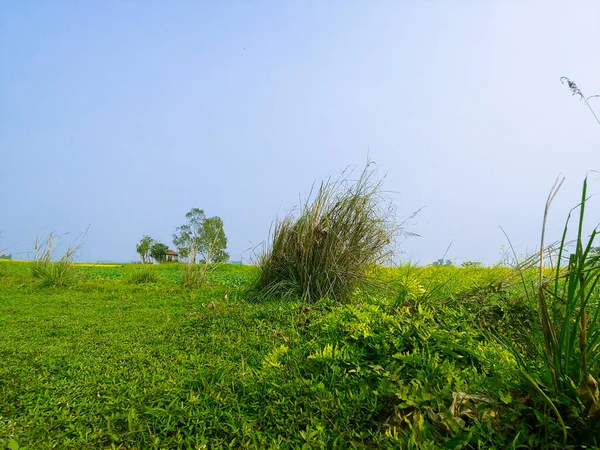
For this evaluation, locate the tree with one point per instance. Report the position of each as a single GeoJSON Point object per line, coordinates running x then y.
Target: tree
{"type": "Point", "coordinates": [143, 248]}
{"type": "Point", "coordinates": [441, 262]}
{"type": "Point", "coordinates": [187, 237]}
{"type": "Point", "coordinates": [213, 241]}
{"type": "Point", "coordinates": [203, 236]}
{"type": "Point", "coordinates": [158, 251]}
{"type": "Point", "coordinates": [471, 264]}
{"type": "Point", "coordinates": [2, 250]}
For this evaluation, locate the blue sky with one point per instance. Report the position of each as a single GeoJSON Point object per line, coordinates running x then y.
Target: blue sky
{"type": "Point", "coordinates": [125, 115]}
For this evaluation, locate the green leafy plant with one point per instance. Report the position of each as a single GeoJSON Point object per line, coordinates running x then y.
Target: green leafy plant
{"type": "Point", "coordinates": [328, 246]}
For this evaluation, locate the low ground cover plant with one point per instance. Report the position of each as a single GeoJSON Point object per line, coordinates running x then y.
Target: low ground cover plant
{"type": "Point", "coordinates": [135, 356]}
{"type": "Point", "coordinates": [113, 364]}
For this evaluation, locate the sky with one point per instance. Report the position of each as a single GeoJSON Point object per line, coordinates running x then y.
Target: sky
{"type": "Point", "coordinates": [121, 116]}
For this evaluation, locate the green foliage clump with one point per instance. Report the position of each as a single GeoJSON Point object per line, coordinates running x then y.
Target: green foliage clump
{"type": "Point", "coordinates": [158, 251]}
{"type": "Point", "coordinates": [415, 363]}
{"type": "Point", "coordinates": [328, 248]}
{"type": "Point", "coordinates": [194, 276]}
{"type": "Point", "coordinates": [142, 276]}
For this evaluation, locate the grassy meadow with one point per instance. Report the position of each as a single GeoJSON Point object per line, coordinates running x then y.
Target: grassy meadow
{"type": "Point", "coordinates": [126, 357]}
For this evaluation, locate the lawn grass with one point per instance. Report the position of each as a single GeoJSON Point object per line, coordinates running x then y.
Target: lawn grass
{"type": "Point", "coordinates": [107, 363]}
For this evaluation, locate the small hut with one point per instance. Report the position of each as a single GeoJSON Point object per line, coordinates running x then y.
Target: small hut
{"type": "Point", "coordinates": [172, 256]}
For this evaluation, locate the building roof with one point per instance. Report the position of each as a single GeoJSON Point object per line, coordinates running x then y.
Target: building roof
{"type": "Point", "coordinates": [171, 253]}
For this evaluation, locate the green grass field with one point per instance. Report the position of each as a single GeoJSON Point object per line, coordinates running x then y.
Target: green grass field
{"type": "Point", "coordinates": [111, 361]}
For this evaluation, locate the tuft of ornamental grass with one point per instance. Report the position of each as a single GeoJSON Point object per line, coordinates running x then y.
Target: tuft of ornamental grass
{"type": "Point", "coordinates": [142, 276]}
{"type": "Point", "coordinates": [569, 308]}
{"type": "Point", "coordinates": [194, 275]}
{"type": "Point", "coordinates": [58, 273]}
{"type": "Point", "coordinates": [326, 248]}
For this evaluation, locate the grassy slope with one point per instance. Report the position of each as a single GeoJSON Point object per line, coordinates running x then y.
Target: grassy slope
{"type": "Point", "coordinates": [111, 364]}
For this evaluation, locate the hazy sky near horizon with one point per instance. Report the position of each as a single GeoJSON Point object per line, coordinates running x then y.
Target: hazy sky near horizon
{"type": "Point", "coordinates": [124, 115]}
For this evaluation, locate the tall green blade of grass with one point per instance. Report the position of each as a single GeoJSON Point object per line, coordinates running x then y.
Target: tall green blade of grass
{"type": "Point", "coordinates": [569, 308]}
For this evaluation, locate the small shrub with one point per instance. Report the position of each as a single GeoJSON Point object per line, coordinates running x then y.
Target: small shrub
{"type": "Point", "coordinates": [327, 248]}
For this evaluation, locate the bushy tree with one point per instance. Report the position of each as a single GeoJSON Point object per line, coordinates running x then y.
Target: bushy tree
{"type": "Point", "coordinates": [158, 251]}
{"type": "Point", "coordinates": [470, 264]}
{"type": "Point", "coordinates": [187, 237]}
{"type": "Point", "coordinates": [143, 248]}
{"type": "Point", "coordinates": [213, 242]}
{"type": "Point", "coordinates": [441, 262]}
{"type": "Point", "coordinates": [201, 236]}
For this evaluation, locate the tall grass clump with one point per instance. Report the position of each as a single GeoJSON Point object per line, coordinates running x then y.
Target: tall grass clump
{"type": "Point", "coordinates": [57, 273]}
{"type": "Point", "coordinates": [569, 322]}
{"type": "Point", "coordinates": [142, 276]}
{"type": "Point", "coordinates": [194, 275]}
{"type": "Point", "coordinates": [326, 248]}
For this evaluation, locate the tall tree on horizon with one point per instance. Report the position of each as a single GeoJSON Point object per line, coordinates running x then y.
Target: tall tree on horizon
{"type": "Point", "coordinates": [143, 248]}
